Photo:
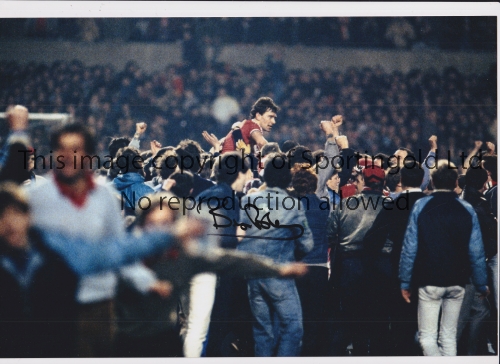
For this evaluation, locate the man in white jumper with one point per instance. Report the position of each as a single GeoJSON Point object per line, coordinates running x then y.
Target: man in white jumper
{"type": "Point", "coordinates": [72, 203]}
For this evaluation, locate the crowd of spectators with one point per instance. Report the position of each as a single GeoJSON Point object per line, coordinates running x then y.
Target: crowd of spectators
{"type": "Point", "coordinates": [446, 33]}
{"type": "Point", "coordinates": [330, 269]}
{"type": "Point", "coordinates": [387, 110]}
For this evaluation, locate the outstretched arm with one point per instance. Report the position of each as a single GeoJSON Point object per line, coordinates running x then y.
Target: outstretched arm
{"type": "Point", "coordinates": [85, 256]}
{"type": "Point", "coordinates": [251, 266]}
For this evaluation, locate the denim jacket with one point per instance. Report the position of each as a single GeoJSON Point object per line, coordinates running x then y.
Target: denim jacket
{"type": "Point", "coordinates": [225, 198]}
{"type": "Point", "coordinates": [131, 187]}
{"type": "Point", "coordinates": [279, 229]}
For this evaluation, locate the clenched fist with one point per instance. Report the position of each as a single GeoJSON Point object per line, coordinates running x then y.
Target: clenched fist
{"type": "Point", "coordinates": [140, 128]}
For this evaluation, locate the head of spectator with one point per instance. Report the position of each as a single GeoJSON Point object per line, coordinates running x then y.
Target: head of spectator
{"type": "Point", "coordinates": [287, 145]}
{"type": "Point", "coordinates": [318, 155]}
{"type": "Point", "coordinates": [167, 164]}
{"type": "Point", "coordinates": [14, 217]}
{"type": "Point", "coordinates": [276, 171]}
{"type": "Point", "coordinates": [159, 213]}
{"type": "Point", "coordinates": [189, 152]}
{"type": "Point", "coordinates": [269, 148]}
{"type": "Point", "coordinates": [399, 157]}
{"type": "Point", "coordinates": [117, 143]}
{"type": "Point", "coordinates": [412, 175]}
{"type": "Point", "coordinates": [233, 170]}
{"type": "Point", "coordinates": [146, 154]}
{"type": "Point", "coordinates": [181, 183]}
{"type": "Point", "coordinates": [17, 118]}
{"type": "Point", "coordinates": [206, 170]}
{"type": "Point", "coordinates": [381, 160]}
{"type": "Point", "coordinates": [373, 177]}
{"type": "Point", "coordinates": [475, 178]}
{"type": "Point", "coordinates": [356, 180]}
{"type": "Point", "coordinates": [304, 179]}
{"type": "Point", "coordinates": [74, 145]}
{"type": "Point", "coordinates": [129, 160]}
{"type": "Point", "coordinates": [163, 150]}
{"type": "Point", "coordinates": [30, 160]}
{"type": "Point", "coordinates": [444, 176]}
{"type": "Point", "coordinates": [393, 182]}
{"type": "Point", "coordinates": [152, 170]}
{"type": "Point", "coordinates": [264, 113]}
{"type": "Point", "coordinates": [333, 183]}
{"type": "Point", "coordinates": [300, 154]}
{"type": "Point", "coordinates": [490, 164]}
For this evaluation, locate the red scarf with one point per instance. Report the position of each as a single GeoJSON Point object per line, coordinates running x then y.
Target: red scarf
{"type": "Point", "coordinates": [69, 192]}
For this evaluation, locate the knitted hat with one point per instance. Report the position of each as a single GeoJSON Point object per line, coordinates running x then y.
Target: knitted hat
{"type": "Point", "coordinates": [373, 174]}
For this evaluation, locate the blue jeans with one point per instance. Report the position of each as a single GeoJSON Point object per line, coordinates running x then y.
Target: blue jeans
{"type": "Point", "coordinates": [493, 266]}
{"type": "Point", "coordinates": [275, 297]}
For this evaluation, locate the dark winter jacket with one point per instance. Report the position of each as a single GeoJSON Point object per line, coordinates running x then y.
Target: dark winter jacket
{"type": "Point", "coordinates": [37, 305]}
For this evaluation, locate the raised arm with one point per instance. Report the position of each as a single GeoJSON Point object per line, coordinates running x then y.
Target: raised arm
{"type": "Point", "coordinates": [427, 164]}
{"type": "Point", "coordinates": [325, 169]}
{"type": "Point", "coordinates": [491, 148]}
{"type": "Point", "coordinates": [477, 147]}
{"type": "Point", "coordinates": [212, 140]}
{"type": "Point", "coordinates": [140, 128]}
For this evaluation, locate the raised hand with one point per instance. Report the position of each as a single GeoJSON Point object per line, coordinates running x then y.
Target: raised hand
{"type": "Point", "coordinates": [491, 148]}
{"type": "Point", "coordinates": [433, 142]}
{"type": "Point", "coordinates": [17, 117]}
{"type": "Point", "coordinates": [211, 139]}
{"type": "Point", "coordinates": [155, 147]}
{"type": "Point", "coordinates": [140, 128]}
{"type": "Point", "coordinates": [337, 120]}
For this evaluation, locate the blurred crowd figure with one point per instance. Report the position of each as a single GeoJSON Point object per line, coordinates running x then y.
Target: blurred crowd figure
{"type": "Point", "coordinates": [387, 110]}
{"type": "Point", "coordinates": [444, 33]}
{"type": "Point", "coordinates": [253, 247]}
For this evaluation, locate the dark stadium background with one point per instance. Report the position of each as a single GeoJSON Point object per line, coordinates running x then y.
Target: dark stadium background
{"type": "Point", "coordinates": [396, 80]}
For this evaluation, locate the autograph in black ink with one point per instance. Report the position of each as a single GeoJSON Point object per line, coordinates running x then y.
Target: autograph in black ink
{"type": "Point", "coordinates": [263, 223]}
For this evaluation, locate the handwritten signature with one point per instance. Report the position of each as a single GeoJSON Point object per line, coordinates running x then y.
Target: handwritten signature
{"type": "Point", "coordinates": [263, 223]}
